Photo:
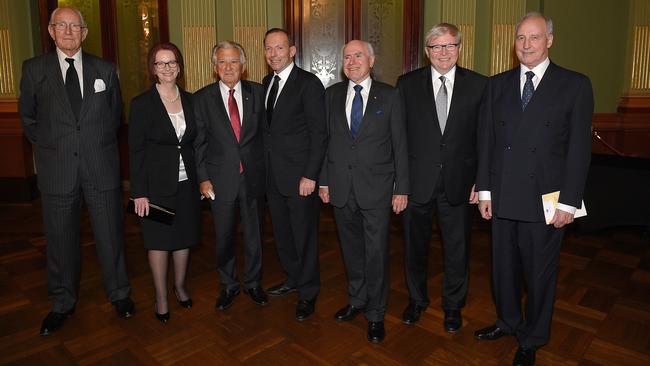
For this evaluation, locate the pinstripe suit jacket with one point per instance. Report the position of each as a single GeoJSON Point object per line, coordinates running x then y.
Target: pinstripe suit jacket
{"type": "Point", "coordinates": [62, 143]}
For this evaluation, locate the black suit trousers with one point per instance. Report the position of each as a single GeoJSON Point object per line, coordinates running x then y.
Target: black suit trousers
{"type": "Point", "coordinates": [224, 214]}
{"type": "Point", "coordinates": [454, 222]}
{"type": "Point", "coordinates": [364, 243]}
{"type": "Point", "coordinates": [61, 216]}
{"type": "Point", "coordinates": [295, 228]}
{"type": "Point", "coordinates": [530, 252]}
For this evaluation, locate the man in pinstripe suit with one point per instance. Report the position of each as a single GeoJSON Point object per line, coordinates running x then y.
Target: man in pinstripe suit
{"type": "Point", "coordinates": [70, 106]}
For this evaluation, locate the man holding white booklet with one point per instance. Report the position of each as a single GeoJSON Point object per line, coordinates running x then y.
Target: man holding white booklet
{"type": "Point", "coordinates": [534, 138]}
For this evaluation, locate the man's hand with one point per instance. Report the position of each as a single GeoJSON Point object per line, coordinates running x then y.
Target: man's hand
{"type": "Point", "coordinates": [473, 196]}
{"type": "Point", "coordinates": [324, 194]}
{"type": "Point", "coordinates": [485, 208]}
{"type": "Point", "coordinates": [141, 206]}
{"type": "Point", "coordinates": [399, 202]}
{"type": "Point", "coordinates": [206, 190]}
{"type": "Point", "coordinates": [561, 218]}
{"type": "Point", "coordinates": [306, 187]}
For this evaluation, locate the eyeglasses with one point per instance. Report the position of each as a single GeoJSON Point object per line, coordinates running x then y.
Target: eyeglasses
{"type": "Point", "coordinates": [438, 47]}
{"type": "Point", "coordinates": [160, 65]}
{"type": "Point", "coordinates": [61, 26]}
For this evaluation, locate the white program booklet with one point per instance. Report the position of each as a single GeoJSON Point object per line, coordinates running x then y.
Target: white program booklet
{"type": "Point", "coordinates": [549, 203]}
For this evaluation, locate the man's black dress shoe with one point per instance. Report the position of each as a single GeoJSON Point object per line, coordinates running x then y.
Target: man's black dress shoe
{"type": "Point", "coordinates": [258, 296]}
{"type": "Point", "coordinates": [187, 304]}
{"type": "Point", "coordinates": [453, 321]}
{"type": "Point", "coordinates": [304, 309]}
{"type": "Point", "coordinates": [412, 313]}
{"type": "Point", "coordinates": [280, 290]}
{"type": "Point", "coordinates": [348, 312]}
{"type": "Point", "coordinates": [376, 332]}
{"type": "Point", "coordinates": [226, 299]}
{"type": "Point", "coordinates": [53, 321]}
{"type": "Point", "coordinates": [125, 308]}
{"type": "Point", "coordinates": [490, 333]}
{"type": "Point", "coordinates": [524, 357]}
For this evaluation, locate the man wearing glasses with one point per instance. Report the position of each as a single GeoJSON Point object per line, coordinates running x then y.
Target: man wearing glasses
{"type": "Point", "coordinates": [70, 107]}
{"type": "Point", "coordinates": [441, 104]}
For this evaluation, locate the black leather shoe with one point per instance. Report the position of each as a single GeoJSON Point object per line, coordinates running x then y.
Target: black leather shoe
{"type": "Point", "coordinates": [412, 313]}
{"type": "Point", "coordinates": [490, 333]}
{"type": "Point", "coordinates": [524, 357]}
{"type": "Point", "coordinates": [258, 296]}
{"type": "Point", "coordinates": [187, 304]}
{"type": "Point", "coordinates": [226, 299]}
{"type": "Point", "coordinates": [348, 312]}
{"type": "Point", "coordinates": [163, 318]}
{"type": "Point", "coordinates": [280, 290]}
{"type": "Point", "coordinates": [304, 309]}
{"type": "Point", "coordinates": [453, 321]}
{"type": "Point", "coordinates": [125, 308]}
{"type": "Point", "coordinates": [53, 321]}
{"type": "Point", "coordinates": [376, 332]}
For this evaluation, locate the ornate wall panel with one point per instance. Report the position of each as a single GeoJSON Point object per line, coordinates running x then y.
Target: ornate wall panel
{"type": "Point", "coordinates": [323, 36]}
{"type": "Point", "coordinates": [198, 19]}
{"type": "Point", "coordinates": [462, 13]}
{"type": "Point", "coordinates": [640, 78]}
{"type": "Point", "coordinates": [138, 31]}
{"type": "Point", "coordinates": [6, 69]}
{"type": "Point", "coordinates": [381, 25]}
{"type": "Point", "coordinates": [505, 14]}
{"type": "Point", "coordinates": [249, 23]}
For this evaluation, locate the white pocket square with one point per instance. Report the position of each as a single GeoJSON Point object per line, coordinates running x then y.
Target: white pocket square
{"type": "Point", "coordinates": [99, 85]}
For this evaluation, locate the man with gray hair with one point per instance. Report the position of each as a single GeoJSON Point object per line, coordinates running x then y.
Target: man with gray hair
{"type": "Point", "coordinates": [441, 103]}
{"type": "Point", "coordinates": [230, 166]}
{"type": "Point", "coordinates": [364, 176]}
{"type": "Point", "coordinates": [534, 139]}
{"type": "Point", "coordinates": [70, 106]}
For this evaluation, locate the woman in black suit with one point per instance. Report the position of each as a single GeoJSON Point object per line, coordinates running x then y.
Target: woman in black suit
{"type": "Point", "coordinates": [161, 136]}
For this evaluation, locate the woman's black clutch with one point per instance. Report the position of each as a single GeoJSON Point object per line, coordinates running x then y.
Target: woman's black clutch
{"type": "Point", "coordinates": [157, 213]}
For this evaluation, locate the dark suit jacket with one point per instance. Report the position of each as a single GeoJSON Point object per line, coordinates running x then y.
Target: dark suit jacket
{"type": "Point", "coordinates": [217, 151]}
{"type": "Point", "coordinates": [375, 164]}
{"type": "Point", "coordinates": [295, 139]}
{"type": "Point", "coordinates": [154, 148]}
{"type": "Point", "coordinates": [62, 143]}
{"type": "Point", "coordinates": [546, 148]}
{"type": "Point", "coordinates": [431, 153]}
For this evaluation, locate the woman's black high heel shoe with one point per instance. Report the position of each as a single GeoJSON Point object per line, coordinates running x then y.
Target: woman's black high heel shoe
{"type": "Point", "coordinates": [163, 318]}
{"type": "Point", "coordinates": [184, 303]}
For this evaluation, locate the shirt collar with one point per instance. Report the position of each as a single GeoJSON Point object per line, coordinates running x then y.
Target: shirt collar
{"type": "Point", "coordinates": [284, 74]}
{"type": "Point", "coordinates": [62, 56]}
{"type": "Point", "coordinates": [365, 84]}
{"type": "Point", "coordinates": [226, 89]}
{"type": "Point", "coordinates": [450, 75]}
{"type": "Point", "coordinates": [539, 70]}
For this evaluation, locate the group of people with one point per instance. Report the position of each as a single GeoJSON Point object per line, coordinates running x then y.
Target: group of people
{"type": "Point", "coordinates": [443, 139]}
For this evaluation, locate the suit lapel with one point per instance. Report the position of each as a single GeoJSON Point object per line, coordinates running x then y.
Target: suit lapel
{"type": "Point", "coordinates": [372, 107]}
{"type": "Point", "coordinates": [282, 98]}
{"type": "Point", "coordinates": [460, 85]}
{"type": "Point", "coordinates": [427, 84]}
{"type": "Point", "coordinates": [341, 118]}
{"type": "Point", "coordinates": [218, 108]}
{"type": "Point", "coordinates": [90, 74]}
{"type": "Point", "coordinates": [249, 124]}
{"type": "Point", "coordinates": [55, 78]}
{"type": "Point", "coordinates": [163, 116]}
{"type": "Point", "coordinates": [543, 91]}
{"type": "Point", "coordinates": [188, 112]}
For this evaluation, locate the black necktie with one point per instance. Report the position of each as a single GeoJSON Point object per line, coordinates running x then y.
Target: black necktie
{"type": "Point", "coordinates": [529, 89]}
{"type": "Point", "coordinates": [72, 87]}
{"type": "Point", "coordinates": [272, 95]}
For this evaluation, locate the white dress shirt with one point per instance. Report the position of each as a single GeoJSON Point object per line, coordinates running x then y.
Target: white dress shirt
{"type": "Point", "coordinates": [78, 65]}
{"type": "Point", "coordinates": [365, 92]}
{"type": "Point", "coordinates": [539, 72]}
{"type": "Point", "coordinates": [225, 94]}
{"type": "Point", "coordinates": [284, 75]}
{"type": "Point", "coordinates": [450, 76]}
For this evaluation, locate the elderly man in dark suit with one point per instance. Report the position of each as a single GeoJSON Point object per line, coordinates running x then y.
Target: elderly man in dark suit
{"type": "Point", "coordinates": [534, 139]}
{"type": "Point", "coordinates": [230, 161]}
{"type": "Point", "coordinates": [441, 103]}
{"type": "Point", "coordinates": [294, 138]}
{"type": "Point", "coordinates": [70, 107]}
{"type": "Point", "coordinates": [364, 175]}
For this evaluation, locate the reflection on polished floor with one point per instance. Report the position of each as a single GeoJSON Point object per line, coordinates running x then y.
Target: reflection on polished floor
{"type": "Point", "coordinates": [602, 313]}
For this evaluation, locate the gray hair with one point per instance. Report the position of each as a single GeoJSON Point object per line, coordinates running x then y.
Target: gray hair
{"type": "Point", "coordinates": [371, 50]}
{"type": "Point", "coordinates": [83, 22]}
{"type": "Point", "coordinates": [224, 45]}
{"type": "Point", "coordinates": [442, 29]}
{"type": "Point", "coordinates": [535, 14]}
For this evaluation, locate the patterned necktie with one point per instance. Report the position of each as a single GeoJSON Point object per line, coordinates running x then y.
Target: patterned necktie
{"type": "Point", "coordinates": [356, 113]}
{"type": "Point", "coordinates": [528, 91]}
{"type": "Point", "coordinates": [72, 88]}
{"type": "Point", "coordinates": [273, 94]}
{"type": "Point", "coordinates": [235, 121]}
{"type": "Point", "coordinates": [441, 104]}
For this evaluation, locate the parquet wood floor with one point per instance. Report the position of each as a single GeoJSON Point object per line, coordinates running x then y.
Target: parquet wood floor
{"type": "Point", "coordinates": [602, 314]}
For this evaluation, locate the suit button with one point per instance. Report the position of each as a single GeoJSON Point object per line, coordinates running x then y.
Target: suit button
{"type": "Point", "coordinates": [503, 123]}
{"type": "Point", "coordinates": [179, 147]}
{"type": "Point", "coordinates": [75, 154]}
{"type": "Point", "coordinates": [531, 176]}
{"type": "Point", "coordinates": [533, 149]}
{"type": "Point", "coordinates": [349, 167]}
{"type": "Point", "coordinates": [78, 128]}
{"type": "Point", "coordinates": [547, 123]}
{"type": "Point", "coordinates": [440, 165]}
{"type": "Point", "coordinates": [353, 147]}
{"type": "Point", "coordinates": [443, 145]}
{"type": "Point", "coordinates": [508, 147]}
